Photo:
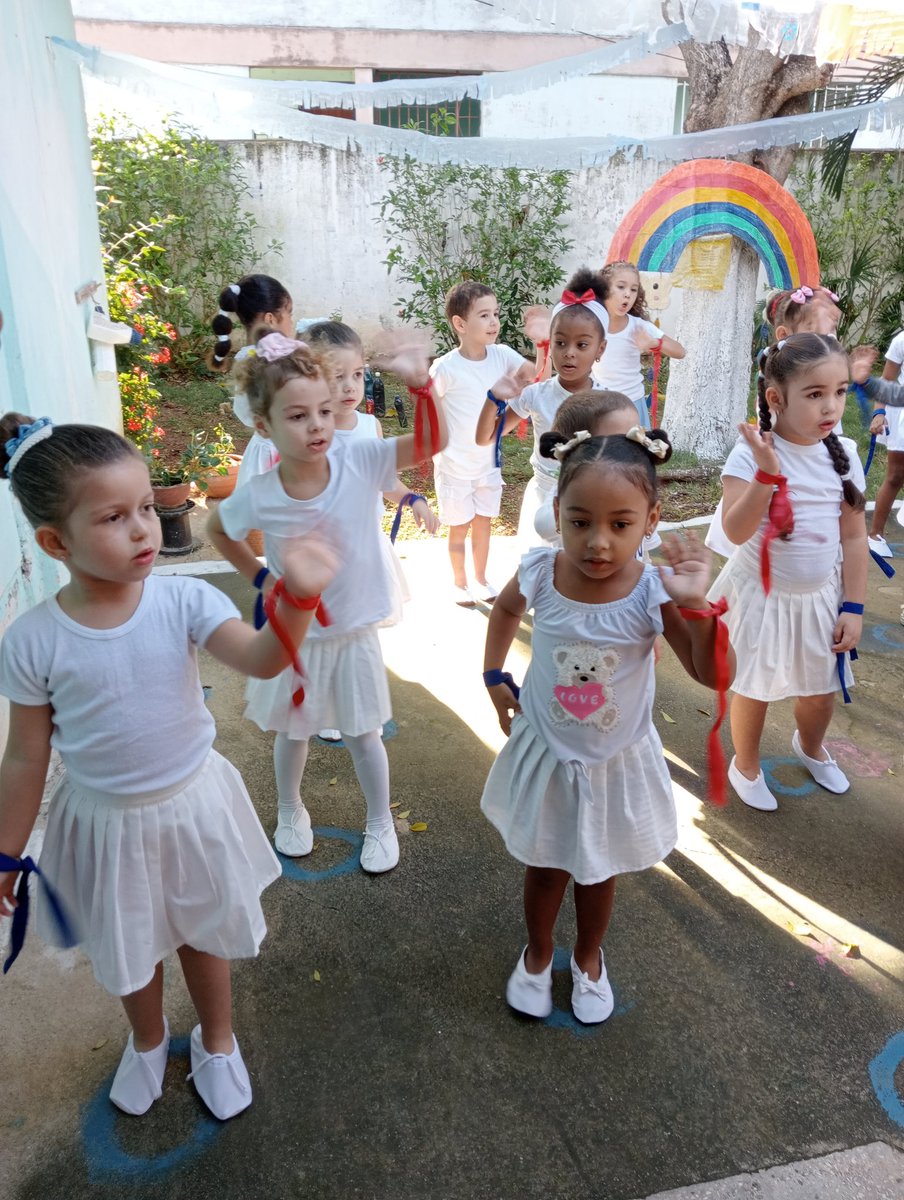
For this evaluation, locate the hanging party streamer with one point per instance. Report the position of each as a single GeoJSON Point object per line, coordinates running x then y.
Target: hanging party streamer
{"type": "Point", "coordinates": [296, 93]}
{"type": "Point", "coordinates": [193, 93]}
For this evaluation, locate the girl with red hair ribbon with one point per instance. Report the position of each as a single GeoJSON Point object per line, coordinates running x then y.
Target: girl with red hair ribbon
{"type": "Point", "coordinates": [796, 583]}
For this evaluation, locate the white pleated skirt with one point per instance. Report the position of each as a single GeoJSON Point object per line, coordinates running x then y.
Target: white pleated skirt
{"type": "Point", "coordinates": [346, 689]}
{"type": "Point", "coordinates": [397, 582]}
{"type": "Point", "coordinates": [593, 822]}
{"type": "Point", "coordinates": [783, 641]}
{"type": "Point", "coordinates": [139, 876]}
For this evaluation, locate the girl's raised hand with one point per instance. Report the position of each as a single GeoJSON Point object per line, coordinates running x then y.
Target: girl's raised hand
{"type": "Point", "coordinates": [691, 564]}
{"type": "Point", "coordinates": [509, 385]}
{"type": "Point", "coordinates": [762, 448]}
{"type": "Point", "coordinates": [862, 359]}
{"type": "Point", "coordinates": [310, 566]}
{"type": "Point", "coordinates": [406, 353]}
{"type": "Point", "coordinates": [536, 323]}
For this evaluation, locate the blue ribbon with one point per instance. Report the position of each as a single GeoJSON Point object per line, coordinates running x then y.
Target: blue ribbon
{"type": "Point", "coordinates": [864, 403]}
{"type": "Point", "coordinates": [883, 564]}
{"type": "Point", "coordinates": [409, 498]}
{"type": "Point", "coordinates": [501, 410]}
{"type": "Point", "coordinates": [857, 609]}
{"type": "Point", "coordinates": [20, 912]}
{"type": "Point", "coordinates": [869, 457]}
{"type": "Point", "coordinates": [260, 617]}
{"type": "Point", "coordinates": [494, 677]}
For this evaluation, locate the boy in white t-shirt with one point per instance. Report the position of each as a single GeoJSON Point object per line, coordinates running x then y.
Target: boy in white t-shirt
{"type": "Point", "coordinates": [468, 482]}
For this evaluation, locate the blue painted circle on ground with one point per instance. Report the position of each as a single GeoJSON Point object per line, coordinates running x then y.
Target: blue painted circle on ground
{"type": "Point", "coordinates": [561, 1018]}
{"type": "Point", "coordinates": [882, 1074]}
{"type": "Point", "coordinates": [775, 785]}
{"type": "Point", "coordinates": [292, 870]}
{"type": "Point", "coordinates": [105, 1157]}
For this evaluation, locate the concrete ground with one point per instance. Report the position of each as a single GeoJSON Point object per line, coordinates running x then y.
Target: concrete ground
{"type": "Point", "coordinates": [759, 978]}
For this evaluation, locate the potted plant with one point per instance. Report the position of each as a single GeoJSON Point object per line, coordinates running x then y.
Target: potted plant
{"type": "Point", "coordinates": [223, 464]}
{"type": "Point", "coordinates": [201, 463]}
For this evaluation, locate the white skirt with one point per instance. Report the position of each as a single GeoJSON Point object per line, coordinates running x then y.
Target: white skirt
{"type": "Point", "coordinates": [142, 875]}
{"type": "Point", "coordinates": [537, 494]}
{"type": "Point", "coordinates": [260, 455]}
{"type": "Point", "coordinates": [894, 439]}
{"type": "Point", "coordinates": [593, 822]}
{"type": "Point", "coordinates": [783, 641]}
{"type": "Point", "coordinates": [345, 688]}
{"type": "Point", "coordinates": [398, 584]}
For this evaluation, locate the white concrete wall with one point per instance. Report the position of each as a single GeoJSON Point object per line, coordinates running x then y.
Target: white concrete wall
{"type": "Point", "coordinates": [49, 247]}
{"type": "Point", "coordinates": [592, 106]}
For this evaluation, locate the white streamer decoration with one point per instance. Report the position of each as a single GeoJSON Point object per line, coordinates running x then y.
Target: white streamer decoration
{"type": "Point", "coordinates": [221, 98]}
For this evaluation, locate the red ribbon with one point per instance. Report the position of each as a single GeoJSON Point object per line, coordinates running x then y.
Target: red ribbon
{"type": "Point", "coordinates": [424, 402]}
{"type": "Point", "coordinates": [654, 395]}
{"type": "Point", "coordinates": [277, 593]}
{"type": "Point", "coordinates": [781, 521]}
{"type": "Point", "coordinates": [585, 298]}
{"type": "Point", "coordinates": [715, 755]}
{"type": "Point", "coordinates": [543, 347]}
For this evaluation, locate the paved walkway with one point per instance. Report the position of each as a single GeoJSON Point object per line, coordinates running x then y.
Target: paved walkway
{"type": "Point", "coordinates": [759, 976]}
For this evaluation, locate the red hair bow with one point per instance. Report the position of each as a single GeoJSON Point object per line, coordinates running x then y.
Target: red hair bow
{"type": "Point", "coordinates": [571, 298]}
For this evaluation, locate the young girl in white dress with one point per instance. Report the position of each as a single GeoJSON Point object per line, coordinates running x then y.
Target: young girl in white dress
{"type": "Point", "coordinates": [577, 337]}
{"type": "Point", "coordinates": [581, 790]}
{"type": "Point", "coordinates": [630, 334]}
{"type": "Point", "coordinates": [331, 486]}
{"type": "Point", "coordinates": [262, 305]}
{"type": "Point", "coordinates": [796, 593]}
{"type": "Point", "coordinates": [152, 845]}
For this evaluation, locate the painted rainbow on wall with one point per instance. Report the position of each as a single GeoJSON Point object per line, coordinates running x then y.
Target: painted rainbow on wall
{"type": "Point", "coordinates": [711, 196]}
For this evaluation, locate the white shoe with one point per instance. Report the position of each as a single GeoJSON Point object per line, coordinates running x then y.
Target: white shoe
{"type": "Point", "coordinates": [294, 838]}
{"type": "Point", "coordinates": [487, 592]}
{"type": "Point", "coordinates": [879, 545]}
{"type": "Point", "coordinates": [221, 1080]}
{"type": "Point", "coordinates": [330, 735]}
{"type": "Point", "coordinates": [826, 772]}
{"type": "Point", "coordinates": [530, 994]}
{"type": "Point", "coordinates": [380, 851]}
{"type": "Point", "coordinates": [463, 597]}
{"type": "Point", "coordinates": [753, 792]}
{"type": "Point", "coordinates": [591, 999]}
{"type": "Point", "coordinates": [138, 1081]}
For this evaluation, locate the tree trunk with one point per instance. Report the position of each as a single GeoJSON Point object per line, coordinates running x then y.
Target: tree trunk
{"type": "Point", "coordinates": [707, 392]}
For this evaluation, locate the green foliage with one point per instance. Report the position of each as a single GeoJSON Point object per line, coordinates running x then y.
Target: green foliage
{"type": "Point", "coordinates": [185, 196]}
{"type": "Point", "coordinates": [858, 236]}
{"type": "Point", "coordinates": [445, 223]}
{"type": "Point", "coordinates": [199, 459]}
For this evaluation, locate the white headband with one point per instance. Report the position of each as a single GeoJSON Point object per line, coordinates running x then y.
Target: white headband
{"type": "Point", "coordinates": [593, 306]}
{"type": "Point", "coordinates": [561, 452]}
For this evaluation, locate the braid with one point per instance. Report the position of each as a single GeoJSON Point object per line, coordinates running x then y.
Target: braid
{"type": "Point", "coordinates": [842, 465]}
{"type": "Point", "coordinates": [762, 407]}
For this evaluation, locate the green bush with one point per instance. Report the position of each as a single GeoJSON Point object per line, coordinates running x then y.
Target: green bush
{"type": "Point", "coordinates": [189, 193]}
{"type": "Point", "coordinates": [447, 223]}
{"type": "Point", "coordinates": [858, 236]}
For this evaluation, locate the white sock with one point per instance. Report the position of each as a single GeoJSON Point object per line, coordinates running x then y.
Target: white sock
{"type": "Point", "coordinates": [289, 758]}
{"type": "Point", "coordinates": [372, 768]}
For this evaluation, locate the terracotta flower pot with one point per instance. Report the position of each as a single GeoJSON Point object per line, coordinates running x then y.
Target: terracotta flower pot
{"type": "Point", "coordinates": [221, 486]}
{"type": "Point", "coordinates": [173, 496]}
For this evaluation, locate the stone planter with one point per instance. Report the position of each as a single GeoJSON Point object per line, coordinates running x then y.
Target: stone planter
{"type": "Point", "coordinates": [172, 496]}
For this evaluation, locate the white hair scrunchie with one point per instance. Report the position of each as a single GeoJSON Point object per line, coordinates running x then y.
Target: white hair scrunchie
{"type": "Point", "coordinates": [234, 288]}
{"type": "Point", "coordinates": [657, 448]}
{"type": "Point", "coordinates": [562, 452]}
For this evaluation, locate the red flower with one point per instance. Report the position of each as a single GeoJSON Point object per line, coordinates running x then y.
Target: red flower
{"type": "Point", "coordinates": [170, 331]}
{"type": "Point", "coordinates": [162, 356]}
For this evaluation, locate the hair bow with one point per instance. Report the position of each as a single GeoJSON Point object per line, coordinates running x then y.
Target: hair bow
{"type": "Point", "coordinates": [28, 436]}
{"type": "Point", "coordinates": [276, 345]}
{"type": "Point", "coordinates": [802, 295]}
{"type": "Point", "coordinates": [584, 298]}
{"type": "Point", "coordinates": [657, 448]}
{"type": "Point", "coordinates": [828, 292]}
{"type": "Point", "coordinates": [562, 452]}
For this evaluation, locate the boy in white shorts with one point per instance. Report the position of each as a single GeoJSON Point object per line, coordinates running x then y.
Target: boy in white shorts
{"type": "Point", "coordinates": [468, 482]}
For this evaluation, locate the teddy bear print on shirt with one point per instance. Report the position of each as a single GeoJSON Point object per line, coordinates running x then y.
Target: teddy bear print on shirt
{"type": "Point", "coordinates": [582, 694]}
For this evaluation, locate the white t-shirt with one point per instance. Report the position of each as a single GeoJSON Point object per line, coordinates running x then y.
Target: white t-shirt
{"type": "Point", "coordinates": [366, 426]}
{"type": "Point", "coordinates": [590, 685]}
{"type": "Point", "coordinates": [810, 555]}
{"type": "Point", "coordinates": [541, 401]}
{"type": "Point", "coordinates": [360, 469]}
{"type": "Point", "coordinates": [128, 709]}
{"type": "Point", "coordinates": [463, 385]}
{"type": "Point", "coordinates": [619, 368]}
{"type": "Point", "coordinates": [895, 351]}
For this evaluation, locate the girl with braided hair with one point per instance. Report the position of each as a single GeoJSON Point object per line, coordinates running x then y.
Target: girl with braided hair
{"type": "Point", "coordinates": [793, 506]}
